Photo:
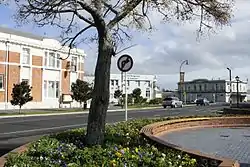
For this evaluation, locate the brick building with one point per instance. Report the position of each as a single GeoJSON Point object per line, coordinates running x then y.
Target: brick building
{"type": "Point", "coordinates": [35, 59]}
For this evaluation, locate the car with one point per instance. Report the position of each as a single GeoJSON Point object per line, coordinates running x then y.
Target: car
{"type": "Point", "coordinates": [202, 102]}
{"type": "Point", "coordinates": [173, 102]}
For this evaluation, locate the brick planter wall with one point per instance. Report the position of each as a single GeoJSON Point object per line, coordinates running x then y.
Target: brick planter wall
{"type": "Point", "coordinates": [153, 130]}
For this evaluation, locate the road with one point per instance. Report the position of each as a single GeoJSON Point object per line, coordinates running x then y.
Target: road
{"type": "Point", "coordinates": [18, 131]}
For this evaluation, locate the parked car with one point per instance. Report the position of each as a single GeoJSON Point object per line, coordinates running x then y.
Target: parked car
{"type": "Point", "coordinates": [173, 102]}
{"type": "Point", "coordinates": [202, 102]}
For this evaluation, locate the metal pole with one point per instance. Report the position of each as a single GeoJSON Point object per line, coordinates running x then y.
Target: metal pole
{"type": "Point", "coordinates": [121, 101]}
{"type": "Point", "coordinates": [237, 94]}
{"type": "Point", "coordinates": [181, 84]}
{"type": "Point", "coordinates": [6, 75]}
{"type": "Point", "coordinates": [126, 98]}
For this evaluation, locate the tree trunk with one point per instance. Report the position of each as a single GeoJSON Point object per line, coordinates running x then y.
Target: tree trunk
{"type": "Point", "coordinates": [100, 96]}
{"type": "Point", "coordinates": [20, 109]}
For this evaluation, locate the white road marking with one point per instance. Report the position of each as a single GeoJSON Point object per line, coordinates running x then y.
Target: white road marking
{"type": "Point", "coordinates": [157, 115]}
{"type": "Point", "coordinates": [43, 129]}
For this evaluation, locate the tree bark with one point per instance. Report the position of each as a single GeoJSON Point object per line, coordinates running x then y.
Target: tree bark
{"type": "Point", "coordinates": [100, 96]}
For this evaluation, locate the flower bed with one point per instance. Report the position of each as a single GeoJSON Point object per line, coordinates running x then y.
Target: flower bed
{"type": "Point", "coordinates": [123, 146]}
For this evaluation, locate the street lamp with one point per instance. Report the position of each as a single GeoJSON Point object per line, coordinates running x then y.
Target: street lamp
{"type": "Point", "coordinates": [237, 81]}
{"type": "Point", "coordinates": [230, 80]}
{"type": "Point", "coordinates": [182, 81]}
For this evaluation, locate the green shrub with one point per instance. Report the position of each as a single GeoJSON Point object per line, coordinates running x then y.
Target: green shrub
{"type": "Point", "coordinates": [155, 101]}
{"type": "Point", "coordinates": [123, 146]}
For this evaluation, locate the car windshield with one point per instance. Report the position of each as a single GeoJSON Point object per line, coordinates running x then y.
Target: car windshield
{"type": "Point", "coordinates": [168, 99]}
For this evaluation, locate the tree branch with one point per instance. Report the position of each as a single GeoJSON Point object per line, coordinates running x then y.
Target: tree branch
{"type": "Point", "coordinates": [72, 39]}
{"type": "Point", "coordinates": [126, 10]}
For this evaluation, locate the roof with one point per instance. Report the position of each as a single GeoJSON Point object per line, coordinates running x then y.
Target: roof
{"type": "Point", "coordinates": [20, 33]}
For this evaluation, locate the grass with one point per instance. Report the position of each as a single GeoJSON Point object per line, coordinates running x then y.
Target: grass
{"type": "Point", "coordinates": [62, 110]}
{"type": "Point", "coordinates": [144, 106]}
{"type": "Point", "coordinates": [40, 111]}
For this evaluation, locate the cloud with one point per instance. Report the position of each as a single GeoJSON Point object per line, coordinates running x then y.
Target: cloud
{"type": "Point", "coordinates": [162, 51]}
{"type": "Point", "coordinates": [208, 58]}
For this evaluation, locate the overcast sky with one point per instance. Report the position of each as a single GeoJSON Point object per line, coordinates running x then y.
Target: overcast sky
{"type": "Point", "coordinates": [162, 51]}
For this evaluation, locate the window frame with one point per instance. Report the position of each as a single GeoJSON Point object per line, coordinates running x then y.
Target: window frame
{"type": "Point", "coordinates": [29, 57]}
{"type": "Point", "coordinates": [74, 64]}
{"type": "Point", "coordinates": [148, 92]}
{"type": "Point", "coordinates": [51, 60]}
{"type": "Point", "coordinates": [56, 90]}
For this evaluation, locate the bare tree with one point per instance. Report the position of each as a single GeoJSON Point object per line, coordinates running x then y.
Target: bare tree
{"type": "Point", "coordinates": [112, 21]}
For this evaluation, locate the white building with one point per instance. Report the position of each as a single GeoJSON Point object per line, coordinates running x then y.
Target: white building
{"type": "Point", "coordinates": [145, 82]}
{"type": "Point", "coordinates": [213, 90]}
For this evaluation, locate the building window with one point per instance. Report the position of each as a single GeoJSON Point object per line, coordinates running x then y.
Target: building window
{"type": "Point", "coordinates": [222, 88]}
{"type": "Point", "coordinates": [58, 61]}
{"type": "Point", "coordinates": [52, 60]}
{"type": "Point", "coordinates": [57, 89]}
{"type": "Point", "coordinates": [51, 89]}
{"type": "Point", "coordinates": [116, 82]}
{"type": "Point", "coordinates": [138, 83]}
{"type": "Point", "coordinates": [148, 83]}
{"type": "Point", "coordinates": [26, 56]}
{"type": "Point", "coordinates": [74, 63]}
{"type": "Point", "coordinates": [205, 87]}
{"type": "Point", "coordinates": [45, 86]}
{"type": "Point", "coordinates": [112, 82]}
{"type": "Point", "coordinates": [1, 81]}
{"type": "Point", "coordinates": [46, 59]}
{"type": "Point", "coordinates": [128, 83]}
{"type": "Point", "coordinates": [147, 93]}
{"type": "Point", "coordinates": [200, 87]}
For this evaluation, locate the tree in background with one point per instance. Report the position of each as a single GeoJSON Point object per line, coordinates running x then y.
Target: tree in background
{"type": "Point", "coordinates": [130, 99]}
{"type": "Point", "coordinates": [21, 94]}
{"type": "Point", "coordinates": [82, 92]}
{"type": "Point", "coordinates": [114, 22]}
{"type": "Point", "coordinates": [118, 95]}
{"type": "Point", "coordinates": [137, 95]}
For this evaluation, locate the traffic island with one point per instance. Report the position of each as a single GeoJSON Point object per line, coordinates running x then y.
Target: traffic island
{"type": "Point", "coordinates": [156, 130]}
{"type": "Point", "coordinates": [123, 146]}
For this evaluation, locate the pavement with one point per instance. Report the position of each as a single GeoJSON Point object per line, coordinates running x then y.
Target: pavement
{"type": "Point", "coordinates": [230, 143]}
{"type": "Point", "coordinates": [17, 131]}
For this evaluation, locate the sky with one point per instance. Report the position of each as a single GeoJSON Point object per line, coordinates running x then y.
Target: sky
{"type": "Point", "coordinates": [161, 52]}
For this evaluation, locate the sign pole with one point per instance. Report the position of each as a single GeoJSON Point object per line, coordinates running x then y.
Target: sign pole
{"type": "Point", "coordinates": [124, 64]}
{"type": "Point", "coordinates": [126, 98]}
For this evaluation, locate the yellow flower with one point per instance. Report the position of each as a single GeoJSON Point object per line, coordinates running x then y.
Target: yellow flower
{"type": "Point", "coordinates": [113, 162]}
{"type": "Point", "coordinates": [136, 150]}
{"type": "Point", "coordinates": [118, 154]}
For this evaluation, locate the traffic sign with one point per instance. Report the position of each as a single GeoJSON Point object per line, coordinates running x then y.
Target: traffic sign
{"type": "Point", "coordinates": [125, 63]}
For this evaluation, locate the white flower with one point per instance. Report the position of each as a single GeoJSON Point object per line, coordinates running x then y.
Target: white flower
{"type": "Point", "coordinates": [179, 156]}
